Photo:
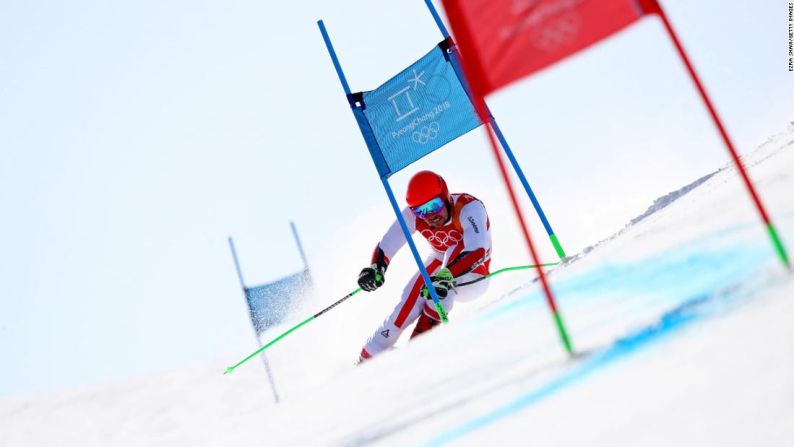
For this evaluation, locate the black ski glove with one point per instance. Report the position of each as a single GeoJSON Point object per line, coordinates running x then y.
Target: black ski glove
{"type": "Point", "coordinates": [442, 281]}
{"type": "Point", "coordinates": [372, 277]}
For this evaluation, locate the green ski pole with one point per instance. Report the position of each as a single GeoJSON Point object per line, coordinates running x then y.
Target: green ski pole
{"type": "Point", "coordinates": [231, 369]}
{"type": "Point", "coordinates": [507, 269]}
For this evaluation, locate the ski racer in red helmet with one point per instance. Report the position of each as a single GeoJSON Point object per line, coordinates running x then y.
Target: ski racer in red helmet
{"type": "Point", "coordinates": [458, 230]}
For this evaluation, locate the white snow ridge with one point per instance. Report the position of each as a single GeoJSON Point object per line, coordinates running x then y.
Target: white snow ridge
{"type": "Point", "coordinates": [683, 322]}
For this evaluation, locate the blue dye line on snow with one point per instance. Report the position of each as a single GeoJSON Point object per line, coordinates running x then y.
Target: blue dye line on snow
{"type": "Point", "coordinates": [671, 321]}
{"type": "Point", "coordinates": [673, 274]}
{"type": "Point", "coordinates": [698, 275]}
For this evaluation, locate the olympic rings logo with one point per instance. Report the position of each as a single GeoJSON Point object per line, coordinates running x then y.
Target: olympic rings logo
{"type": "Point", "coordinates": [426, 133]}
{"type": "Point", "coordinates": [555, 34]}
{"type": "Point", "coordinates": [442, 239]}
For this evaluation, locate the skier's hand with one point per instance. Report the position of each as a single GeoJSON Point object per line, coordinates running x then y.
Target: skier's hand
{"type": "Point", "coordinates": [443, 282]}
{"type": "Point", "coordinates": [372, 277]}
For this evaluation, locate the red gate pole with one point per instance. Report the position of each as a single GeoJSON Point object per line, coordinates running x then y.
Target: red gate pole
{"type": "Point", "coordinates": [562, 331]}
{"type": "Point", "coordinates": [773, 234]}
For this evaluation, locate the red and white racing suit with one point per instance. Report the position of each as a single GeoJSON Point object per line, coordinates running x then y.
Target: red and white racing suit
{"type": "Point", "coordinates": [465, 240]}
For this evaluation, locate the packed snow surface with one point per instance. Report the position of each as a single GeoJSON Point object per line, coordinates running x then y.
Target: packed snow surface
{"type": "Point", "coordinates": [682, 324]}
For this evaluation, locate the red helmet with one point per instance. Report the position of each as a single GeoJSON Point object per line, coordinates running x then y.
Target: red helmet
{"type": "Point", "coordinates": [425, 185]}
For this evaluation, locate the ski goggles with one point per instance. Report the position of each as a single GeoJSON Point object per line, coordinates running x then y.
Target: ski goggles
{"type": "Point", "coordinates": [432, 206]}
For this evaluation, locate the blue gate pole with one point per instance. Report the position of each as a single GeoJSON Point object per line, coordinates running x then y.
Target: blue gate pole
{"type": "Point", "coordinates": [517, 168]}
{"type": "Point", "coordinates": [503, 142]}
{"type": "Point", "coordinates": [307, 274]}
{"type": "Point", "coordinates": [414, 251]}
{"type": "Point", "coordinates": [256, 334]}
{"type": "Point", "coordinates": [384, 180]}
{"type": "Point", "coordinates": [437, 18]}
{"type": "Point", "coordinates": [300, 246]}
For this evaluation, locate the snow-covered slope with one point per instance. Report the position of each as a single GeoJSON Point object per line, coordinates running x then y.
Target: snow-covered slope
{"type": "Point", "coordinates": [683, 322]}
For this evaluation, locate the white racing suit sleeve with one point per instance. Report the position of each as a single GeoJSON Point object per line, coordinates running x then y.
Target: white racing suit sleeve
{"type": "Point", "coordinates": [474, 221]}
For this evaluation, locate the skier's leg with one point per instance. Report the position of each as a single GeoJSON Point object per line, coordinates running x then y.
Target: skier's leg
{"type": "Point", "coordinates": [446, 303]}
{"type": "Point", "coordinates": [470, 292]}
{"type": "Point", "coordinates": [404, 314]}
{"type": "Point", "coordinates": [424, 324]}
{"type": "Point", "coordinates": [430, 317]}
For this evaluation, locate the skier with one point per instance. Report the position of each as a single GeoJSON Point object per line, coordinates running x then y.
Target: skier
{"type": "Point", "coordinates": [458, 230]}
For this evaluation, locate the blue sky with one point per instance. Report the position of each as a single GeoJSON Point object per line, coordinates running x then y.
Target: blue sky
{"type": "Point", "coordinates": [136, 136]}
